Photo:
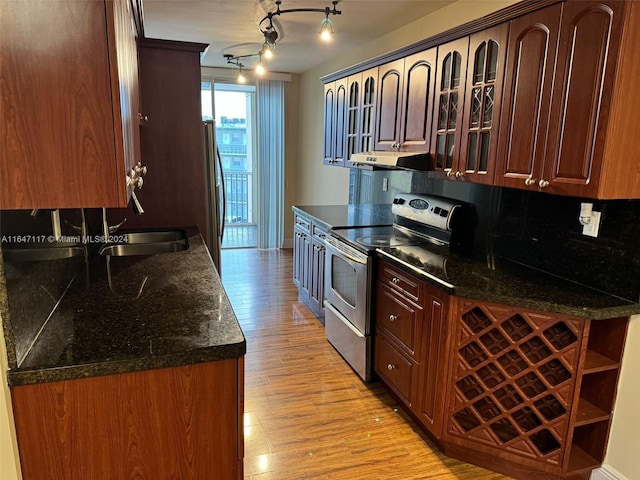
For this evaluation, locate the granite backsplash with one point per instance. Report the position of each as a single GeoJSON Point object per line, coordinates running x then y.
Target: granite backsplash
{"type": "Point", "coordinates": [33, 289]}
{"type": "Point", "coordinates": [536, 229]}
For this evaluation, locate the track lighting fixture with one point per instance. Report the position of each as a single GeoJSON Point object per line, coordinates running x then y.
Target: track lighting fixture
{"type": "Point", "coordinates": [270, 34]}
{"type": "Point", "coordinates": [326, 29]}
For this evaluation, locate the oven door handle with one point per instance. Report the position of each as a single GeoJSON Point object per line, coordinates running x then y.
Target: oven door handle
{"type": "Point", "coordinates": [343, 253]}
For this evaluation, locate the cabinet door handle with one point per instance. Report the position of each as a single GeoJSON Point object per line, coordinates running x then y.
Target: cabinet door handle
{"type": "Point", "coordinates": [530, 181]}
{"type": "Point", "coordinates": [391, 367]}
{"type": "Point", "coordinates": [459, 174]}
{"type": "Point", "coordinates": [543, 183]}
{"type": "Point", "coordinates": [395, 280]}
{"type": "Point", "coordinates": [393, 318]}
{"type": "Point", "coordinates": [450, 173]}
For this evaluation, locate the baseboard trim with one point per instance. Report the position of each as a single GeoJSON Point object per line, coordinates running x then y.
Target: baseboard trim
{"type": "Point", "coordinates": [606, 473]}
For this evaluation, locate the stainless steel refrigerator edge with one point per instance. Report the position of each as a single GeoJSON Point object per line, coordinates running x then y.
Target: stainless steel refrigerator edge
{"type": "Point", "coordinates": [216, 201]}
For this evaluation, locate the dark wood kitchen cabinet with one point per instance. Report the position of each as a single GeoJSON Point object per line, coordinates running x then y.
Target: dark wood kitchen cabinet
{"type": "Point", "coordinates": [410, 348]}
{"type": "Point", "coordinates": [527, 93]}
{"type": "Point", "coordinates": [405, 103]}
{"type": "Point", "coordinates": [309, 262]}
{"type": "Point", "coordinates": [181, 422]}
{"type": "Point", "coordinates": [521, 392]}
{"type": "Point", "coordinates": [450, 87]}
{"type": "Point", "coordinates": [481, 109]}
{"type": "Point", "coordinates": [569, 130]}
{"type": "Point", "coordinates": [335, 114]}
{"type": "Point", "coordinates": [69, 105]}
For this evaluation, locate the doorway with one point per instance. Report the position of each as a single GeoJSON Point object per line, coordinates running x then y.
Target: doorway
{"type": "Point", "coordinates": [233, 108]}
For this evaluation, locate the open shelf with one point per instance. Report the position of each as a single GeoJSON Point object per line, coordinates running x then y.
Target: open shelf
{"type": "Point", "coordinates": [589, 413]}
{"type": "Point", "coordinates": [594, 362]}
{"type": "Point", "coordinates": [579, 460]}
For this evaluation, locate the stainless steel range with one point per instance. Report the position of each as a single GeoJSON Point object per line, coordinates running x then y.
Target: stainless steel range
{"type": "Point", "coordinates": [350, 253]}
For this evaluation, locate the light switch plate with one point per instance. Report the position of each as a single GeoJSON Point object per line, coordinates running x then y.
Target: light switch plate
{"type": "Point", "coordinates": [591, 229]}
{"type": "Point", "coordinates": [385, 184]}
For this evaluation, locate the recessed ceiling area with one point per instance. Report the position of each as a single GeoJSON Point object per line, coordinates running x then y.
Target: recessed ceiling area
{"type": "Point", "coordinates": [231, 27]}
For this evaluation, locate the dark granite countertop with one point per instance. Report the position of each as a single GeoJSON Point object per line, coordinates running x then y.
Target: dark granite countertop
{"type": "Point", "coordinates": [502, 281]}
{"type": "Point", "coordinates": [161, 310]}
{"type": "Point", "coordinates": [495, 280]}
{"type": "Point", "coordinates": [332, 216]}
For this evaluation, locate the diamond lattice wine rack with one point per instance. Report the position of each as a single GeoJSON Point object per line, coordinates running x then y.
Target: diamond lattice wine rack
{"type": "Point", "coordinates": [526, 384]}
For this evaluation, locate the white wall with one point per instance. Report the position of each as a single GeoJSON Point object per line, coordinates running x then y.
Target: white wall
{"type": "Point", "coordinates": [9, 463]}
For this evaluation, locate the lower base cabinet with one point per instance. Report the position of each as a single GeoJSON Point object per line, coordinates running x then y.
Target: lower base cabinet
{"type": "Point", "coordinates": [180, 422]}
{"type": "Point", "coordinates": [525, 393]}
{"type": "Point", "coordinates": [309, 262]}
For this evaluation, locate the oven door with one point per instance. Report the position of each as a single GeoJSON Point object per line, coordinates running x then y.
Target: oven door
{"type": "Point", "coordinates": [347, 283]}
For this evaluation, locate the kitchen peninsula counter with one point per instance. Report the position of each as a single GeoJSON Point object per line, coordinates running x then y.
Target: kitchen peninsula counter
{"type": "Point", "coordinates": [155, 311]}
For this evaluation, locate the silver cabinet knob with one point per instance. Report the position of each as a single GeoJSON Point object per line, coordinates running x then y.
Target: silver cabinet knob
{"type": "Point", "coordinates": [395, 280]}
{"type": "Point", "coordinates": [393, 318]}
{"type": "Point", "coordinates": [543, 183]}
{"type": "Point", "coordinates": [530, 181]}
{"type": "Point", "coordinates": [391, 367]}
{"type": "Point", "coordinates": [143, 118]}
{"type": "Point", "coordinates": [451, 173]}
{"type": "Point", "coordinates": [459, 174]}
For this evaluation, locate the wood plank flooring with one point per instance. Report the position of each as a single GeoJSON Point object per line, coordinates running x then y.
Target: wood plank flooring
{"type": "Point", "coordinates": [307, 415]}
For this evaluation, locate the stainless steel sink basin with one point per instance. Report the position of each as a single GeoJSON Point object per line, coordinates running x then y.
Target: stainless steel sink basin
{"type": "Point", "coordinates": [154, 237]}
{"type": "Point", "coordinates": [40, 251]}
{"type": "Point", "coordinates": [147, 243]}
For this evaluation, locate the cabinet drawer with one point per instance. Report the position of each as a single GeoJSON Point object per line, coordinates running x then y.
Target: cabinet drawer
{"type": "Point", "coordinates": [318, 233]}
{"type": "Point", "coordinates": [302, 222]}
{"type": "Point", "coordinates": [394, 368]}
{"type": "Point", "coordinates": [397, 317]}
{"type": "Point", "coordinates": [399, 280]}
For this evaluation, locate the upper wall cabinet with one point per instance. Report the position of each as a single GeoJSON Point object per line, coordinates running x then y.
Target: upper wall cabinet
{"type": "Point", "coordinates": [69, 103]}
{"type": "Point", "coordinates": [481, 117]}
{"type": "Point", "coordinates": [450, 83]}
{"type": "Point", "coordinates": [335, 112]}
{"type": "Point", "coordinates": [527, 93]}
{"type": "Point", "coordinates": [590, 150]}
{"type": "Point", "coordinates": [405, 103]}
{"type": "Point", "coordinates": [571, 130]}
{"type": "Point", "coordinates": [362, 91]}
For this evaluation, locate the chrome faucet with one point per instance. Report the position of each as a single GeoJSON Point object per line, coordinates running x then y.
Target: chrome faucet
{"type": "Point", "coordinates": [107, 229]}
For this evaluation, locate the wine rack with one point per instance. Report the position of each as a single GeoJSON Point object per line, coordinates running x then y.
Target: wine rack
{"type": "Point", "coordinates": [514, 375]}
{"type": "Point", "coordinates": [532, 388]}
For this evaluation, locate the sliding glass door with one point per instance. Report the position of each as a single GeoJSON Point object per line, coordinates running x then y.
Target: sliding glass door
{"type": "Point", "coordinates": [233, 108]}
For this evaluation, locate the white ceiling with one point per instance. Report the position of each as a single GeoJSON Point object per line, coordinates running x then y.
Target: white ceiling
{"type": "Point", "coordinates": [231, 26]}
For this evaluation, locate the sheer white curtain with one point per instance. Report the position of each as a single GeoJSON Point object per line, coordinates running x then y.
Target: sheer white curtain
{"type": "Point", "coordinates": [270, 169]}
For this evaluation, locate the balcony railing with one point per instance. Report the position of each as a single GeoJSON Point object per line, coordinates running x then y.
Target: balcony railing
{"type": "Point", "coordinates": [240, 228]}
{"type": "Point", "coordinates": [238, 187]}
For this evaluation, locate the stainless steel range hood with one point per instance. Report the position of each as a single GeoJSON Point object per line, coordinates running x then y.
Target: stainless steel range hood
{"type": "Point", "coordinates": [402, 160]}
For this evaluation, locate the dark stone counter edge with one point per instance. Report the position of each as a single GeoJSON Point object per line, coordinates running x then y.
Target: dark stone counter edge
{"type": "Point", "coordinates": [319, 221]}
{"type": "Point", "coordinates": [55, 374]}
{"type": "Point", "coordinates": [520, 302]}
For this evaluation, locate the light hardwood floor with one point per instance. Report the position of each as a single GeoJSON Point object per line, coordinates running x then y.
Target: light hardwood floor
{"type": "Point", "coordinates": [307, 415]}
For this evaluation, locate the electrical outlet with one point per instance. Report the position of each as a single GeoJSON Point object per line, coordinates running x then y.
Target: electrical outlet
{"type": "Point", "coordinates": [385, 184]}
{"type": "Point", "coordinates": [591, 228]}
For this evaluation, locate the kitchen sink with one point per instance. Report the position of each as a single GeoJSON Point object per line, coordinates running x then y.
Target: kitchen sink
{"type": "Point", "coordinates": [41, 251]}
{"type": "Point", "coordinates": [147, 243]}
